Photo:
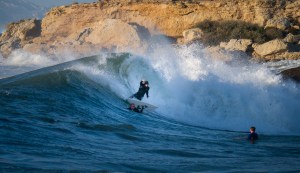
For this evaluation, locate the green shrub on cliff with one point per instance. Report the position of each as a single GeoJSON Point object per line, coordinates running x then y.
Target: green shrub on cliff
{"type": "Point", "coordinates": [273, 33]}
{"type": "Point", "coordinates": [222, 31]}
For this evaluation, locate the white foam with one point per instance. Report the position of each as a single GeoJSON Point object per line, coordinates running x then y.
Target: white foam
{"type": "Point", "coordinates": [210, 93]}
{"type": "Point", "coordinates": [20, 61]}
{"type": "Point", "coordinates": [22, 58]}
{"type": "Point", "coordinates": [190, 87]}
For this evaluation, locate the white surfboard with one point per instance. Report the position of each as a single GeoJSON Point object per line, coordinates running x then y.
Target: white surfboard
{"type": "Point", "coordinates": [140, 103]}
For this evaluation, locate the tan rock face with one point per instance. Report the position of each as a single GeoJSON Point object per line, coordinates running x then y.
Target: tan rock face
{"type": "Point", "coordinates": [169, 19]}
{"type": "Point", "coordinates": [285, 56]}
{"type": "Point", "coordinates": [290, 38]}
{"type": "Point", "coordinates": [192, 34]}
{"type": "Point", "coordinates": [24, 30]}
{"type": "Point", "coordinates": [292, 10]}
{"type": "Point", "coordinates": [18, 34]}
{"type": "Point", "coordinates": [279, 23]}
{"type": "Point", "coordinates": [116, 24]}
{"type": "Point", "coordinates": [237, 44]}
{"type": "Point", "coordinates": [271, 47]}
{"type": "Point", "coordinates": [112, 33]}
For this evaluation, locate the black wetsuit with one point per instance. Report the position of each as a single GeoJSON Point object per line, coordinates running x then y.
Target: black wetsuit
{"type": "Point", "coordinates": [253, 136]}
{"type": "Point", "coordinates": [142, 91]}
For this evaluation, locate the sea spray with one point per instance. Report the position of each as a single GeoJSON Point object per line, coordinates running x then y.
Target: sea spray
{"type": "Point", "coordinates": [229, 97]}
{"type": "Point", "coordinates": [20, 61]}
{"type": "Point", "coordinates": [191, 87]}
{"type": "Point", "coordinates": [25, 59]}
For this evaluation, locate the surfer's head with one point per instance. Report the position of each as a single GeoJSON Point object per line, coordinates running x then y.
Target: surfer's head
{"type": "Point", "coordinates": [252, 129]}
{"type": "Point", "coordinates": [132, 106]}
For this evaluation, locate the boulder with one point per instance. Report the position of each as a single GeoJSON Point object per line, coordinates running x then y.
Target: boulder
{"type": "Point", "coordinates": [279, 23]}
{"type": "Point", "coordinates": [295, 27]}
{"type": "Point", "coordinates": [19, 33]}
{"type": "Point", "coordinates": [269, 48]}
{"type": "Point", "coordinates": [192, 35]}
{"type": "Point", "coordinates": [237, 44]}
{"type": "Point", "coordinates": [109, 34]}
{"type": "Point", "coordinates": [287, 56]}
{"type": "Point", "coordinates": [116, 34]}
{"type": "Point", "coordinates": [230, 57]}
{"type": "Point", "coordinates": [290, 38]}
{"type": "Point", "coordinates": [24, 30]}
{"type": "Point", "coordinates": [293, 73]}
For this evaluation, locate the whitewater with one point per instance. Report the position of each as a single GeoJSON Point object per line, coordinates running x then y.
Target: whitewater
{"type": "Point", "coordinates": [71, 114]}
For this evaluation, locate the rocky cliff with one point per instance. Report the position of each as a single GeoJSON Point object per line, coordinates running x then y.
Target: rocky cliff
{"type": "Point", "coordinates": [130, 25]}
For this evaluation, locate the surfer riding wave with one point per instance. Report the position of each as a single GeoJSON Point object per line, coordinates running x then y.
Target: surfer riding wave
{"type": "Point", "coordinates": [143, 89]}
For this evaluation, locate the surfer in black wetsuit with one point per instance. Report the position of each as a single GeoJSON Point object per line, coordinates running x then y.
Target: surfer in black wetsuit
{"type": "Point", "coordinates": [253, 135]}
{"type": "Point", "coordinates": [143, 89]}
{"type": "Point", "coordinates": [136, 109]}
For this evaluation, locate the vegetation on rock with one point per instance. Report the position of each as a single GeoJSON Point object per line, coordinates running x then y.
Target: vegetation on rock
{"type": "Point", "coordinates": [222, 31]}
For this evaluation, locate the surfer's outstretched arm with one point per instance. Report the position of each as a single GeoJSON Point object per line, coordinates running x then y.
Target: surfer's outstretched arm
{"type": "Point", "coordinates": [139, 109]}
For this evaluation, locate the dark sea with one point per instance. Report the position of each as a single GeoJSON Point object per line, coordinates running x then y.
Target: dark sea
{"type": "Point", "coordinates": [72, 116]}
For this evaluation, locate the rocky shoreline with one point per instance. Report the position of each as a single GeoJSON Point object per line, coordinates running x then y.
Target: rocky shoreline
{"type": "Point", "coordinates": [273, 27]}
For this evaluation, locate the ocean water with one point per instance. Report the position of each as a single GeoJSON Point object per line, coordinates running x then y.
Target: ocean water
{"type": "Point", "coordinates": [70, 114]}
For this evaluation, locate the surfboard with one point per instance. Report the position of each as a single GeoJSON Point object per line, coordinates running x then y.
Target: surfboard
{"type": "Point", "coordinates": [140, 103]}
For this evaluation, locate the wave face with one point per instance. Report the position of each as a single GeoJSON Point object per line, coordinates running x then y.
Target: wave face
{"type": "Point", "coordinates": [73, 116]}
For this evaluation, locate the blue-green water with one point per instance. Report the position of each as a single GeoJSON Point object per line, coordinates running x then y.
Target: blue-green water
{"type": "Point", "coordinates": [73, 117]}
